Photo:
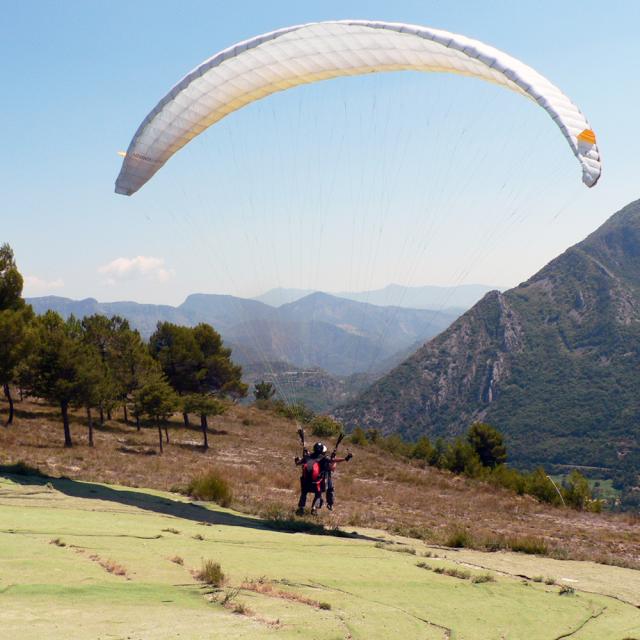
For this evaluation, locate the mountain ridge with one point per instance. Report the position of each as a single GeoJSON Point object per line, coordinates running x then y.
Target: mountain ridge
{"type": "Point", "coordinates": [554, 362]}
{"type": "Point", "coordinates": [319, 330]}
{"type": "Point", "coordinates": [454, 297]}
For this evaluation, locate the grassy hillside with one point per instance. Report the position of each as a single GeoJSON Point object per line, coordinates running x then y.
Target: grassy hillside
{"type": "Point", "coordinates": [85, 560]}
{"type": "Point", "coordinates": [254, 451]}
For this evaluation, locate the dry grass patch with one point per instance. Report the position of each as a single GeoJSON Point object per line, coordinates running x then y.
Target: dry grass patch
{"type": "Point", "coordinates": [110, 566]}
{"type": "Point", "coordinates": [267, 588]}
{"type": "Point", "coordinates": [397, 548]}
{"type": "Point", "coordinates": [458, 537]}
{"type": "Point", "coordinates": [461, 574]}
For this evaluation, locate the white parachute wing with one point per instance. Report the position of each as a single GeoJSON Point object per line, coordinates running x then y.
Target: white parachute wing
{"type": "Point", "coordinates": [289, 57]}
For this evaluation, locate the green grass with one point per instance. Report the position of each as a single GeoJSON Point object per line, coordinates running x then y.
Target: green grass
{"type": "Point", "coordinates": [375, 595]}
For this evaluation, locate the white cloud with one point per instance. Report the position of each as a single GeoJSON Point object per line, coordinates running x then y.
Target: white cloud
{"type": "Point", "coordinates": [140, 267]}
{"type": "Point", "coordinates": [35, 285]}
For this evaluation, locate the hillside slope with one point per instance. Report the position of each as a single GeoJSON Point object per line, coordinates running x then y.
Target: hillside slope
{"type": "Point", "coordinates": [254, 451]}
{"type": "Point", "coordinates": [85, 560]}
{"type": "Point", "coordinates": [554, 363]}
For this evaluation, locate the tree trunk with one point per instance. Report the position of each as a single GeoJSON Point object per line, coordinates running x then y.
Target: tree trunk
{"type": "Point", "coordinates": [159, 435]}
{"type": "Point", "coordinates": [205, 426]}
{"type": "Point", "coordinates": [64, 407]}
{"type": "Point", "coordinates": [126, 415]}
{"type": "Point", "coordinates": [185, 417]}
{"type": "Point", "coordinates": [90, 423]}
{"type": "Point", "coordinates": [166, 433]}
{"type": "Point", "coordinates": [101, 416]}
{"type": "Point", "coordinates": [7, 393]}
{"type": "Point", "coordinates": [108, 414]}
{"type": "Point", "coordinates": [137, 422]}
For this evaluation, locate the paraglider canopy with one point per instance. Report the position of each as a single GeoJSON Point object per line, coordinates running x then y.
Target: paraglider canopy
{"type": "Point", "coordinates": [260, 66]}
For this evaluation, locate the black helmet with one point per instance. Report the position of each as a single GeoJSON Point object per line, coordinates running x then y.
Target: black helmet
{"type": "Point", "coordinates": [318, 447]}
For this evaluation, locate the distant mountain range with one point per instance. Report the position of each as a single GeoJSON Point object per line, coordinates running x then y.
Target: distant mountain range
{"type": "Point", "coordinates": [319, 330]}
{"type": "Point", "coordinates": [553, 363]}
{"type": "Point", "coordinates": [455, 298]}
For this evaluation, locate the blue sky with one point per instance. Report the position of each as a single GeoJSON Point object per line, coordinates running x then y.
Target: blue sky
{"type": "Point", "coordinates": [349, 184]}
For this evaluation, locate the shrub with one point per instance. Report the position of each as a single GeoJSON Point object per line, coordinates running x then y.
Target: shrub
{"type": "Point", "coordinates": [298, 412]}
{"type": "Point", "coordinates": [438, 456]}
{"type": "Point", "coordinates": [373, 435]}
{"type": "Point", "coordinates": [325, 605]}
{"type": "Point", "coordinates": [527, 544]}
{"type": "Point", "coordinates": [540, 486]}
{"type": "Point", "coordinates": [229, 596]}
{"type": "Point", "coordinates": [211, 486]}
{"type": "Point", "coordinates": [263, 390]}
{"type": "Point", "coordinates": [58, 542]}
{"type": "Point", "coordinates": [211, 573]}
{"type": "Point", "coordinates": [576, 491]}
{"type": "Point", "coordinates": [461, 457]}
{"type": "Point", "coordinates": [494, 543]}
{"type": "Point", "coordinates": [423, 449]}
{"type": "Point", "coordinates": [566, 590]}
{"type": "Point", "coordinates": [325, 427]}
{"type": "Point", "coordinates": [485, 577]}
{"type": "Point", "coordinates": [358, 437]}
{"type": "Point", "coordinates": [410, 550]}
{"type": "Point", "coordinates": [462, 574]}
{"type": "Point", "coordinates": [395, 444]}
{"type": "Point", "coordinates": [177, 560]}
{"type": "Point", "coordinates": [459, 538]}
{"type": "Point", "coordinates": [511, 479]}
{"type": "Point", "coordinates": [418, 532]}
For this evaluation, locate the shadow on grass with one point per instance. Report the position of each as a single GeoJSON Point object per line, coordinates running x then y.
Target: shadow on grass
{"type": "Point", "coordinates": [158, 504]}
{"type": "Point", "coordinates": [24, 474]}
{"type": "Point", "coordinates": [27, 414]}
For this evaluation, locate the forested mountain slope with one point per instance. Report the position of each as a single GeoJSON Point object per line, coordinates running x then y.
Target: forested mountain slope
{"type": "Point", "coordinates": [554, 363]}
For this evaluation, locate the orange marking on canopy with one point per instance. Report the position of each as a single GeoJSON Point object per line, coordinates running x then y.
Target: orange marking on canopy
{"type": "Point", "coordinates": [587, 136]}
